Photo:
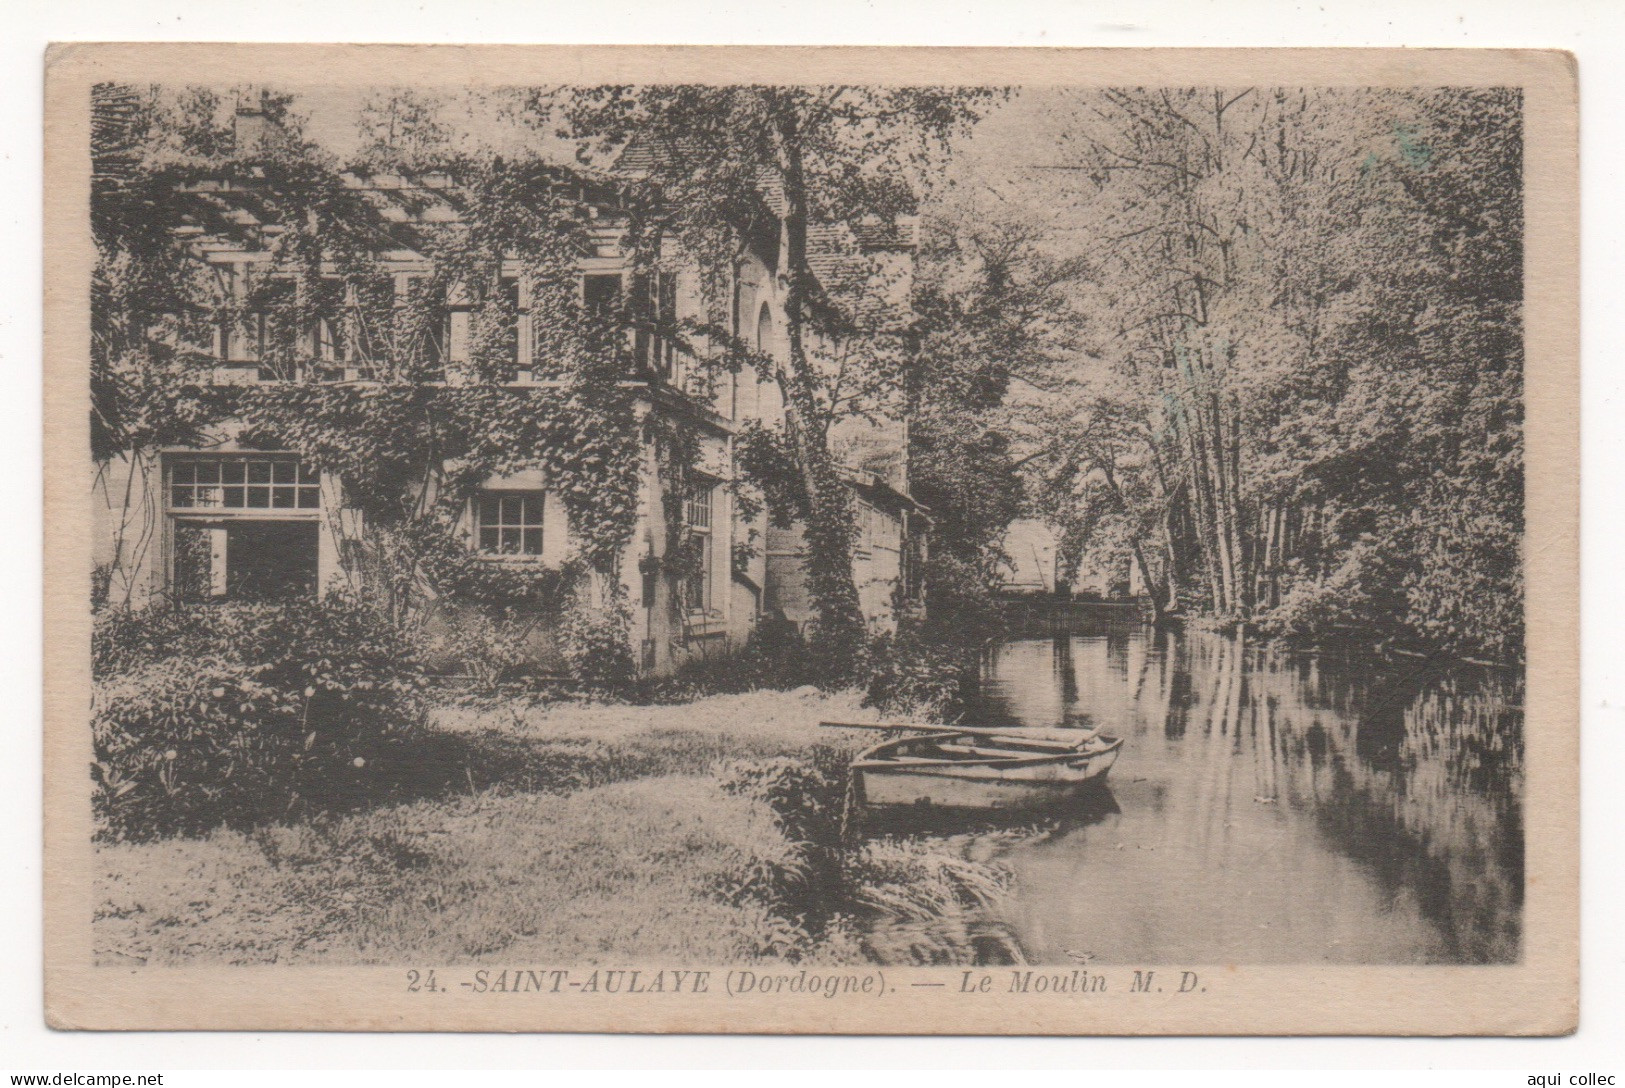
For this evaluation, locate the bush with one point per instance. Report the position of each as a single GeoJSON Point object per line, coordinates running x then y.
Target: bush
{"type": "Point", "coordinates": [1463, 588]}
{"type": "Point", "coordinates": [490, 645]}
{"type": "Point", "coordinates": [774, 658]}
{"type": "Point", "coordinates": [594, 640]}
{"type": "Point", "coordinates": [912, 674]}
{"type": "Point", "coordinates": [233, 714]}
{"type": "Point", "coordinates": [960, 606]}
{"type": "Point", "coordinates": [889, 900]}
{"type": "Point", "coordinates": [1312, 606]}
{"type": "Point", "coordinates": [807, 798]}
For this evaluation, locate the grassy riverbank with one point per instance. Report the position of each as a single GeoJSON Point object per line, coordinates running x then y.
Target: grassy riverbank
{"type": "Point", "coordinates": [567, 833]}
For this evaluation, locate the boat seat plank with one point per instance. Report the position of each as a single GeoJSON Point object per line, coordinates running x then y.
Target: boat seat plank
{"type": "Point", "coordinates": [987, 753]}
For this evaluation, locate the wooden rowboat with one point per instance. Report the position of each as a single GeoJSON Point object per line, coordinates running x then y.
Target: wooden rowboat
{"type": "Point", "coordinates": [978, 769]}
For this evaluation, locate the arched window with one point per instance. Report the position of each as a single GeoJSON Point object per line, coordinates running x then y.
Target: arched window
{"type": "Point", "coordinates": [764, 330]}
{"type": "Point", "coordinates": [759, 395]}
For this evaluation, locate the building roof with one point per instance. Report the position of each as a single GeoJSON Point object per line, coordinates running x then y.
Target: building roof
{"type": "Point", "coordinates": [387, 211]}
{"type": "Point", "coordinates": [641, 154]}
{"type": "Point", "coordinates": [876, 485]}
{"type": "Point", "coordinates": [860, 263]}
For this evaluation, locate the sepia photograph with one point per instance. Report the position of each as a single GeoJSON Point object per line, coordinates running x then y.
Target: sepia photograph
{"type": "Point", "coordinates": [579, 539]}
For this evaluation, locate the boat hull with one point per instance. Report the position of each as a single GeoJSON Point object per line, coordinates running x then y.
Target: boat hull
{"type": "Point", "coordinates": [990, 785]}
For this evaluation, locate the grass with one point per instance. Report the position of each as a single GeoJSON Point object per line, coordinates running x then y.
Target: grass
{"type": "Point", "coordinates": [575, 833]}
{"type": "Point", "coordinates": [621, 871]}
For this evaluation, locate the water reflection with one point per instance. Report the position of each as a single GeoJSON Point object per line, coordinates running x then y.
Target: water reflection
{"type": "Point", "coordinates": [1272, 807]}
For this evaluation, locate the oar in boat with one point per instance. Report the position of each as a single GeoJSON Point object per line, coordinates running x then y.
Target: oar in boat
{"type": "Point", "coordinates": [901, 725]}
{"type": "Point", "coordinates": [1038, 738]}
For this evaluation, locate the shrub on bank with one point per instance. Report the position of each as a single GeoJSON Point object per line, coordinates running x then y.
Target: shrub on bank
{"type": "Point", "coordinates": [911, 673]}
{"type": "Point", "coordinates": [594, 637]}
{"type": "Point", "coordinates": [807, 796]}
{"type": "Point", "coordinates": [860, 899]}
{"type": "Point", "coordinates": [490, 646]}
{"type": "Point", "coordinates": [204, 715]}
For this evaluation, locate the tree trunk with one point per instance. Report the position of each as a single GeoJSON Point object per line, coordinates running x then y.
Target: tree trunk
{"type": "Point", "coordinates": [1152, 590]}
{"type": "Point", "coordinates": [1151, 587]}
{"type": "Point", "coordinates": [1171, 557]}
{"type": "Point", "coordinates": [829, 517]}
{"type": "Point", "coordinates": [1267, 589]}
{"type": "Point", "coordinates": [1223, 514]}
{"type": "Point", "coordinates": [1203, 502]}
{"type": "Point", "coordinates": [1170, 563]}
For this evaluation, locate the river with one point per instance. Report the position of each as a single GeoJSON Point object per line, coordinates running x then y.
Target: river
{"type": "Point", "coordinates": [1269, 807]}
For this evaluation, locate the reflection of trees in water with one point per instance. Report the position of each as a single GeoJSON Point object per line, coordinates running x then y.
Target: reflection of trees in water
{"type": "Point", "coordinates": [1462, 759]}
{"type": "Point", "coordinates": [1415, 773]}
{"type": "Point", "coordinates": [1066, 670]}
{"type": "Point", "coordinates": [1162, 689]}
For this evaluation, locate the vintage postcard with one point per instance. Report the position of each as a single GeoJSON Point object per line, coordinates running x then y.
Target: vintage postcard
{"type": "Point", "coordinates": [811, 540]}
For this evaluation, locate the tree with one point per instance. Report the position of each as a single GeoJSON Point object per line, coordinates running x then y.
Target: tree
{"type": "Point", "coordinates": [1307, 394]}
{"type": "Point", "coordinates": [992, 306]}
{"type": "Point", "coordinates": [404, 128]}
{"type": "Point", "coordinates": [725, 163]}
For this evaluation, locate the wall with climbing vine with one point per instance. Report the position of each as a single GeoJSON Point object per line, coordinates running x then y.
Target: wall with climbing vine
{"type": "Point", "coordinates": [406, 382]}
{"type": "Point", "coordinates": [415, 328]}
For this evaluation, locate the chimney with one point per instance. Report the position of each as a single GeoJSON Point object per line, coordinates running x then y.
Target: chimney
{"type": "Point", "coordinates": [252, 129]}
{"type": "Point", "coordinates": [248, 130]}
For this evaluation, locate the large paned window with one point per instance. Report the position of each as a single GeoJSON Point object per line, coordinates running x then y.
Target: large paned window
{"type": "Point", "coordinates": [653, 344]}
{"type": "Point", "coordinates": [247, 482]}
{"type": "Point", "coordinates": [502, 345]}
{"type": "Point", "coordinates": [242, 527]}
{"type": "Point", "coordinates": [421, 326]}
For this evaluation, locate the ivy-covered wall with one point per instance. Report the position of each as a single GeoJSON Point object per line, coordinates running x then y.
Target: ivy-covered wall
{"type": "Point", "coordinates": [877, 565]}
{"type": "Point", "coordinates": [402, 464]}
{"type": "Point", "coordinates": [662, 630]}
{"type": "Point", "coordinates": [407, 340]}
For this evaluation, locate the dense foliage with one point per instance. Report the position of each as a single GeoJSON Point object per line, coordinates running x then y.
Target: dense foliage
{"type": "Point", "coordinates": [409, 430]}
{"type": "Point", "coordinates": [217, 715]}
{"type": "Point", "coordinates": [992, 306]}
{"type": "Point", "coordinates": [725, 167]}
{"type": "Point", "coordinates": [921, 675]}
{"type": "Point", "coordinates": [834, 884]}
{"type": "Point", "coordinates": [1264, 346]}
{"type": "Point", "coordinates": [1299, 402]}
